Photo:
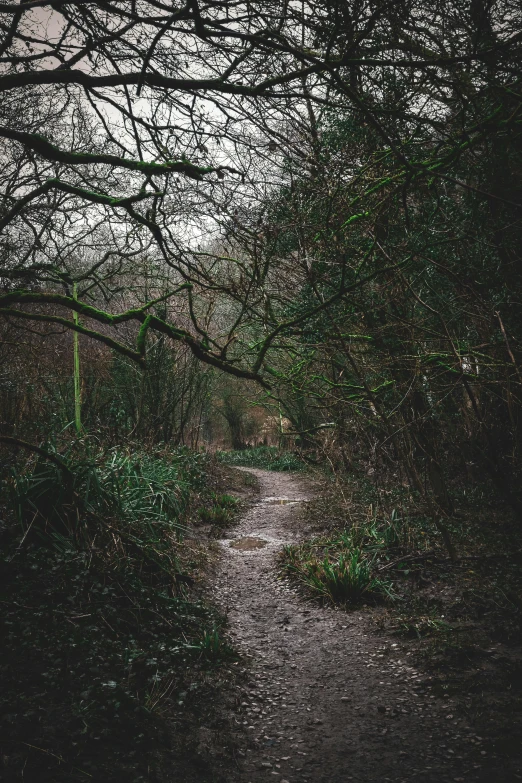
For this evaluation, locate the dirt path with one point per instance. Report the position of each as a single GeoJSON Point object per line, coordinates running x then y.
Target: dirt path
{"type": "Point", "coordinates": [327, 701]}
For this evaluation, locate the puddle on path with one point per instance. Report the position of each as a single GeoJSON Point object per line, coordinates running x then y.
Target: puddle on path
{"type": "Point", "coordinates": [248, 542]}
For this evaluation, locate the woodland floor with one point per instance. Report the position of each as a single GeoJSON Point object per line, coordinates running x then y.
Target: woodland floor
{"type": "Point", "coordinates": [325, 697]}
{"type": "Point", "coordinates": [317, 693]}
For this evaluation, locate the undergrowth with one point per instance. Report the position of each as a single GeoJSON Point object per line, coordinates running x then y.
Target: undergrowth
{"type": "Point", "coordinates": [344, 568]}
{"type": "Point", "coordinates": [265, 457]}
{"type": "Point", "coordinates": [379, 544]}
{"type": "Point", "coordinates": [220, 512]}
{"type": "Point", "coordinates": [99, 630]}
{"type": "Point", "coordinates": [351, 565]}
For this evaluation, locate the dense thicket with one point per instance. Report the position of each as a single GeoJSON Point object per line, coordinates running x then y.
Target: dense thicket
{"type": "Point", "coordinates": [418, 361]}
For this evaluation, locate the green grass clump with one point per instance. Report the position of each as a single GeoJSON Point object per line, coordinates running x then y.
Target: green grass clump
{"type": "Point", "coordinates": [346, 578]}
{"type": "Point", "coordinates": [133, 501]}
{"type": "Point", "coordinates": [213, 647]}
{"type": "Point", "coordinates": [149, 488]}
{"type": "Point", "coordinates": [344, 567]}
{"type": "Point", "coordinates": [220, 513]}
{"type": "Point", "coordinates": [225, 501]}
{"type": "Point", "coordinates": [265, 457]}
{"type": "Point", "coordinates": [214, 515]}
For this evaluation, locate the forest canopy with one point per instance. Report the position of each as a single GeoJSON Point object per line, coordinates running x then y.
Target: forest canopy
{"type": "Point", "coordinates": [322, 200]}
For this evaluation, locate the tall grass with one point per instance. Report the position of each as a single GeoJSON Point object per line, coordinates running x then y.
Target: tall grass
{"type": "Point", "coordinates": [135, 502]}
{"type": "Point", "coordinates": [266, 457]}
{"type": "Point", "coordinates": [96, 585]}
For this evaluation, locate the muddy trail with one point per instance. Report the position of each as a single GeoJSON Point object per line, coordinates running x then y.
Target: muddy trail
{"type": "Point", "coordinates": [327, 700]}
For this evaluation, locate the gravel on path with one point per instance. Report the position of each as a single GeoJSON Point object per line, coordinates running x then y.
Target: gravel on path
{"type": "Point", "coordinates": [327, 701]}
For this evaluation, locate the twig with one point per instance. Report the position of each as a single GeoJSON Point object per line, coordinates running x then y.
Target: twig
{"type": "Point", "coordinates": [432, 555]}
{"type": "Point", "coordinates": [425, 556]}
{"type": "Point", "coordinates": [22, 444]}
{"type": "Point", "coordinates": [60, 758]}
